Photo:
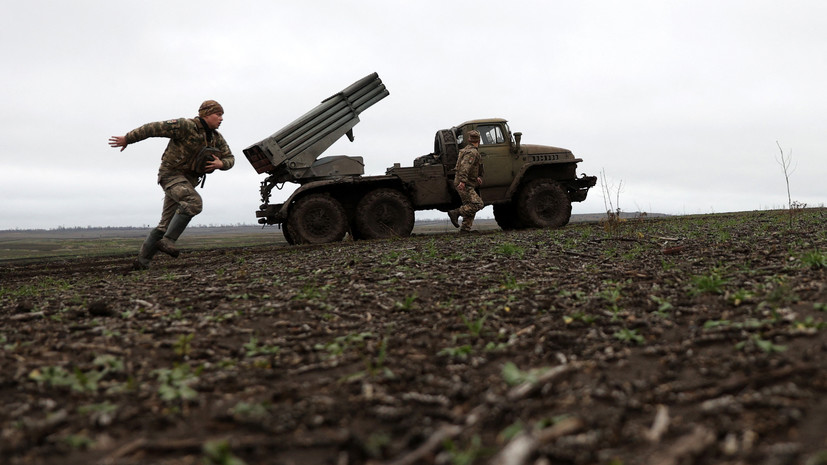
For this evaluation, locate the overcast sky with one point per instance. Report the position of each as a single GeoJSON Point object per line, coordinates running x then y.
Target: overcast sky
{"type": "Point", "coordinates": [681, 101]}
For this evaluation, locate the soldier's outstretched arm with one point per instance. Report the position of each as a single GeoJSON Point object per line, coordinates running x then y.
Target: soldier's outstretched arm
{"type": "Point", "coordinates": [118, 141]}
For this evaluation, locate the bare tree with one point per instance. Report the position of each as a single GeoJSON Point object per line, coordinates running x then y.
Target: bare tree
{"type": "Point", "coordinates": [786, 160]}
{"type": "Point", "coordinates": [612, 209]}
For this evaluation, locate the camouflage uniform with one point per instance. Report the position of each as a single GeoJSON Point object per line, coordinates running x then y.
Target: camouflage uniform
{"type": "Point", "coordinates": [187, 137]}
{"type": "Point", "coordinates": [469, 168]}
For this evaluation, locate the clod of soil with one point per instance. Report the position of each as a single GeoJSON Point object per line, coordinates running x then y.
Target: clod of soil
{"type": "Point", "coordinates": [100, 308]}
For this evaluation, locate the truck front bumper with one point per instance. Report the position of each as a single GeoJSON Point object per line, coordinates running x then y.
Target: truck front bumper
{"type": "Point", "coordinates": [270, 214]}
{"type": "Point", "coordinates": [579, 188]}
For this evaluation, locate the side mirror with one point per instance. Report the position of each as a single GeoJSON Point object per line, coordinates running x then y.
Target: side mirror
{"type": "Point", "coordinates": [517, 137]}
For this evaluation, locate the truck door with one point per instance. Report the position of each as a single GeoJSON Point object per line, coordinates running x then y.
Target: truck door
{"type": "Point", "coordinates": [497, 160]}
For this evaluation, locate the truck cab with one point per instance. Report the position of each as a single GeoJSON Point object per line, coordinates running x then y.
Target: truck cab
{"type": "Point", "coordinates": [507, 162]}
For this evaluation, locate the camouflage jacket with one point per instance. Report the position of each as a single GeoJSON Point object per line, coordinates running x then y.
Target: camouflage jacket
{"type": "Point", "coordinates": [187, 137]}
{"type": "Point", "coordinates": [469, 166]}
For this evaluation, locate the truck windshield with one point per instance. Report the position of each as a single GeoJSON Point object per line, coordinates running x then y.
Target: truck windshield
{"type": "Point", "coordinates": [491, 134]}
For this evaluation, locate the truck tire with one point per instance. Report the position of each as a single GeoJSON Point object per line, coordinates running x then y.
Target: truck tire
{"type": "Point", "coordinates": [384, 213]}
{"type": "Point", "coordinates": [317, 219]}
{"type": "Point", "coordinates": [287, 235]}
{"type": "Point", "coordinates": [543, 203]}
{"type": "Point", "coordinates": [506, 216]}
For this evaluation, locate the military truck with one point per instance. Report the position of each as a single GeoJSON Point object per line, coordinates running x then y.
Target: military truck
{"type": "Point", "coordinates": [529, 186]}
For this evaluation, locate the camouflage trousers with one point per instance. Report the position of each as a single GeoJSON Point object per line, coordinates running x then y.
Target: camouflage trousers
{"type": "Point", "coordinates": [471, 204]}
{"type": "Point", "coordinates": [180, 197]}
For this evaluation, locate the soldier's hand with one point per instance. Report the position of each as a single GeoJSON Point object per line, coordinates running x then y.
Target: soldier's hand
{"type": "Point", "coordinates": [479, 181]}
{"type": "Point", "coordinates": [214, 164]}
{"type": "Point", "coordinates": [461, 186]}
{"type": "Point", "coordinates": [118, 141]}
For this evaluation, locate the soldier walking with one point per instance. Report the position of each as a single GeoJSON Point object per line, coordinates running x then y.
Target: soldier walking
{"type": "Point", "coordinates": [468, 177]}
{"type": "Point", "coordinates": [195, 148]}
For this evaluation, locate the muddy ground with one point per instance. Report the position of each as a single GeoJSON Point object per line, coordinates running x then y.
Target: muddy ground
{"type": "Point", "coordinates": [660, 341]}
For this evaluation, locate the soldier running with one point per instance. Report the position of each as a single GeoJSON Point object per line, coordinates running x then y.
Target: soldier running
{"type": "Point", "coordinates": [178, 175]}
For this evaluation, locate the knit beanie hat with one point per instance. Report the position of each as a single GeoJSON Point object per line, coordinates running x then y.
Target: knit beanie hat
{"type": "Point", "coordinates": [209, 107]}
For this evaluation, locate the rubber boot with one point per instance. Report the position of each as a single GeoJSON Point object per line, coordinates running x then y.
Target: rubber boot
{"type": "Point", "coordinates": [176, 226]}
{"type": "Point", "coordinates": [454, 216]}
{"type": "Point", "coordinates": [148, 250]}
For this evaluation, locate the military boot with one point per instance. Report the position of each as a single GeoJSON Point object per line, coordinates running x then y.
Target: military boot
{"type": "Point", "coordinates": [148, 250]}
{"type": "Point", "coordinates": [176, 226]}
{"type": "Point", "coordinates": [454, 216]}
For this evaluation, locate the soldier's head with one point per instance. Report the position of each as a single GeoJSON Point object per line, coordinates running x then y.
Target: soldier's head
{"type": "Point", "coordinates": [212, 113]}
{"type": "Point", "coordinates": [474, 137]}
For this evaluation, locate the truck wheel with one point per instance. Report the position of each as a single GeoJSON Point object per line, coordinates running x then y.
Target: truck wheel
{"type": "Point", "coordinates": [384, 213]}
{"type": "Point", "coordinates": [544, 204]}
{"type": "Point", "coordinates": [287, 235]}
{"type": "Point", "coordinates": [317, 219]}
{"type": "Point", "coordinates": [506, 216]}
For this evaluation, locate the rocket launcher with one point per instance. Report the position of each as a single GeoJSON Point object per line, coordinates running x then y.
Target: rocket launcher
{"type": "Point", "coordinates": [292, 153]}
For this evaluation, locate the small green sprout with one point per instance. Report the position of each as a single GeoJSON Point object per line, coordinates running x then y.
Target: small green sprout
{"type": "Point", "coordinates": [175, 383]}
{"type": "Point", "coordinates": [253, 348]}
{"type": "Point", "coordinates": [218, 452]}
{"type": "Point", "coordinates": [407, 303]}
{"type": "Point", "coordinates": [629, 335]}
{"type": "Point", "coordinates": [579, 316]}
{"type": "Point", "coordinates": [514, 376]}
{"type": "Point", "coordinates": [815, 260]}
{"type": "Point", "coordinates": [664, 306]}
{"type": "Point", "coordinates": [762, 344]}
{"type": "Point", "coordinates": [183, 346]}
{"type": "Point", "coordinates": [474, 326]}
{"type": "Point", "coordinates": [508, 249]}
{"type": "Point", "coordinates": [713, 283]}
{"type": "Point", "coordinates": [461, 352]}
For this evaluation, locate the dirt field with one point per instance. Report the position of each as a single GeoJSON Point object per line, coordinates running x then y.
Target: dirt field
{"type": "Point", "coordinates": [692, 340]}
